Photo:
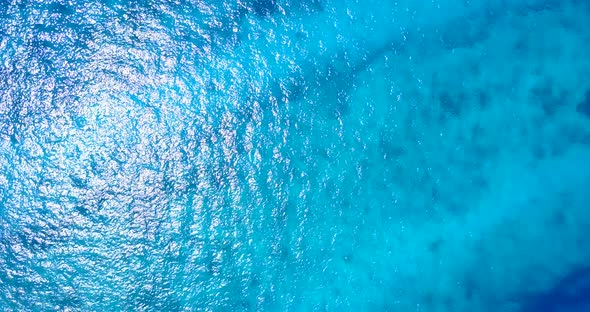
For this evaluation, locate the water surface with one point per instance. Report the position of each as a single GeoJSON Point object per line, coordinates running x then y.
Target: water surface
{"type": "Point", "coordinates": [279, 155]}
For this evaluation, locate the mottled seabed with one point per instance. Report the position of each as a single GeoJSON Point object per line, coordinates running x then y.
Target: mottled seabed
{"type": "Point", "coordinates": [280, 155]}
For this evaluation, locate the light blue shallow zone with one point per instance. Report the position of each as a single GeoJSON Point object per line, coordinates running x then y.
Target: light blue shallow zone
{"type": "Point", "coordinates": [314, 155]}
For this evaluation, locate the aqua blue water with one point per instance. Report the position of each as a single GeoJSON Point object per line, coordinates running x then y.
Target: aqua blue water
{"type": "Point", "coordinates": [281, 155]}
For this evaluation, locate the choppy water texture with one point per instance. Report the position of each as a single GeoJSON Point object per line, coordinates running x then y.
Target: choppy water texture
{"type": "Point", "coordinates": [280, 155]}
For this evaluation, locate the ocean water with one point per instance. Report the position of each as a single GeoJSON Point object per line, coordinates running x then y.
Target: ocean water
{"type": "Point", "coordinates": [281, 155]}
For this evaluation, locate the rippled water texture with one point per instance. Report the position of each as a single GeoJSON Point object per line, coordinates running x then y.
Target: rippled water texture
{"type": "Point", "coordinates": [281, 155]}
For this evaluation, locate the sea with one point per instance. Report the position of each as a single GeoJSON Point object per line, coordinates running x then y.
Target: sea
{"type": "Point", "coordinates": [295, 155]}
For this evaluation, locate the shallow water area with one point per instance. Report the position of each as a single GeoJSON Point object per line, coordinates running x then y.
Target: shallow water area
{"type": "Point", "coordinates": [273, 155]}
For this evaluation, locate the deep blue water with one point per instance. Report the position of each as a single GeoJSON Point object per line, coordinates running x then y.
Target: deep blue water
{"type": "Point", "coordinates": [281, 155]}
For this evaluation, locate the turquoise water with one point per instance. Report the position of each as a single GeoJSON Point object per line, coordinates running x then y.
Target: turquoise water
{"type": "Point", "coordinates": [280, 155]}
